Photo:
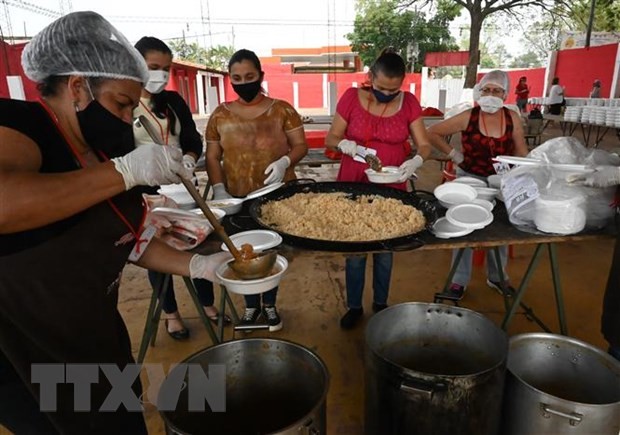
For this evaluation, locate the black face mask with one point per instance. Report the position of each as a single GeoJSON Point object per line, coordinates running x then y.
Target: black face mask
{"type": "Point", "coordinates": [104, 131]}
{"type": "Point", "coordinates": [383, 98]}
{"type": "Point", "coordinates": [247, 91]}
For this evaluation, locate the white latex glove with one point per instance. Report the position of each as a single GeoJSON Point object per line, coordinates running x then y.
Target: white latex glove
{"type": "Point", "coordinates": [151, 165]}
{"type": "Point", "coordinates": [456, 156]}
{"type": "Point", "coordinates": [204, 266]}
{"type": "Point", "coordinates": [347, 147]}
{"type": "Point", "coordinates": [219, 191]}
{"type": "Point", "coordinates": [410, 166]}
{"type": "Point", "coordinates": [604, 176]}
{"type": "Point", "coordinates": [189, 162]}
{"type": "Point", "coordinates": [276, 170]}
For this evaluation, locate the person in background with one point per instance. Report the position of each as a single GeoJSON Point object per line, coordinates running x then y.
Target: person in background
{"type": "Point", "coordinates": [253, 141]}
{"type": "Point", "coordinates": [487, 130]}
{"type": "Point", "coordinates": [382, 117]}
{"type": "Point", "coordinates": [606, 176]}
{"type": "Point", "coordinates": [169, 116]}
{"type": "Point", "coordinates": [523, 93]}
{"type": "Point", "coordinates": [596, 89]}
{"type": "Point", "coordinates": [74, 181]}
{"type": "Point", "coordinates": [556, 97]}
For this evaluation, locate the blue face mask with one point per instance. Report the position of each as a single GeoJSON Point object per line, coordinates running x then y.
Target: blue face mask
{"type": "Point", "coordinates": [383, 98]}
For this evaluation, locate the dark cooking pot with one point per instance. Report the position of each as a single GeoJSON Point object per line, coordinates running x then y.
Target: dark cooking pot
{"type": "Point", "coordinates": [272, 387]}
{"type": "Point", "coordinates": [433, 369]}
{"type": "Point", "coordinates": [410, 241]}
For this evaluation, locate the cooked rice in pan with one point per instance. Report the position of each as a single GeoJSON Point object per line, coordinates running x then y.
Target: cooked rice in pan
{"type": "Point", "coordinates": [337, 217]}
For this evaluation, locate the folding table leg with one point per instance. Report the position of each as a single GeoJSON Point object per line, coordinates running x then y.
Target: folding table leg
{"type": "Point", "coordinates": [152, 317]}
{"type": "Point", "coordinates": [522, 286]}
{"type": "Point", "coordinates": [201, 312]}
{"type": "Point", "coordinates": [557, 288]}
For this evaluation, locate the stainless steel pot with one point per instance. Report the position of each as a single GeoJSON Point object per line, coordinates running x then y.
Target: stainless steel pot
{"type": "Point", "coordinates": [433, 369]}
{"type": "Point", "coordinates": [560, 385]}
{"type": "Point", "coordinates": [272, 387]}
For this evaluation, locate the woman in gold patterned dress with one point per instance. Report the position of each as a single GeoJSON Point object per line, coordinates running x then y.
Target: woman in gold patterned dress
{"type": "Point", "coordinates": [253, 141]}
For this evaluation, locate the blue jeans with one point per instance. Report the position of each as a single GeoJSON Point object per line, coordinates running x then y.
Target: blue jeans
{"type": "Point", "coordinates": [355, 274]}
{"type": "Point", "coordinates": [204, 290]}
{"type": "Point", "coordinates": [269, 299]}
{"type": "Point", "coordinates": [463, 270]}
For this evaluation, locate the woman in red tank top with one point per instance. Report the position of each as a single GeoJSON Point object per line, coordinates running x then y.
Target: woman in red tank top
{"type": "Point", "coordinates": [487, 130]}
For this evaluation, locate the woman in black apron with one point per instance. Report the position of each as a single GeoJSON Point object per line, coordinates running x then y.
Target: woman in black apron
{"type": "Point", "coordinates": [71, 216]}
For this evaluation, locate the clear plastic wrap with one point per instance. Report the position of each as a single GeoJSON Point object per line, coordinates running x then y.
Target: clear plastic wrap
{"type": "Point", "coordinates": [538, 198]}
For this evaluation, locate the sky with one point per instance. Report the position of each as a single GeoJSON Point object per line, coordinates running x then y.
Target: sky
{"type": "Point", "coordinates": [256, 25]}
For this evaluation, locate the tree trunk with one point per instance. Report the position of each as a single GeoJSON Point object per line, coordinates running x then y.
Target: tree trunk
{"type": "Point", "coordinates": [474, 47]}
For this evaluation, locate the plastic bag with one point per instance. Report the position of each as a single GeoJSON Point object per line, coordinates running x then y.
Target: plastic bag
{"type": "Point", "coordinates": [181, 229]}
{"type": "Point", "coordinates": [538, 198]}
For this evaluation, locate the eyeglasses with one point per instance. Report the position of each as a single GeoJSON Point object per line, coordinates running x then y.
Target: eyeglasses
{"type": "Point", "coordinates": [492, 91]}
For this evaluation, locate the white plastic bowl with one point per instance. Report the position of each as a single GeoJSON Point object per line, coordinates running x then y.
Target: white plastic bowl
{"type": "Point", "coordinates": [472, 181]}
{"type": "Point", "coordinates": [452, 193]}
{"type": "Point", "coordinates": [252, 286]}
{"type": "Point", "coordinates": [219, 214]}
{"type": "Point", "coordinates": [229, 205]}
{"type": "Point", "coordinates": [495, 181]}
{"type": "Point", "coordinates": [488, 193]}
{"type": "Point", "coordinates": [388, 174]}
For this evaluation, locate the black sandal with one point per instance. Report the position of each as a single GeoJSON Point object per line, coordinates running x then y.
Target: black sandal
{"type": "Point", "coordinates": [181, 334]}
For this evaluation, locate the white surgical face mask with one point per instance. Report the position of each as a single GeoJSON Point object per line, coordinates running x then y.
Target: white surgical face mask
{"type": "Point", "coordinates": [490, 104]}
{"type": "Point", "coordinates": [158, 79]}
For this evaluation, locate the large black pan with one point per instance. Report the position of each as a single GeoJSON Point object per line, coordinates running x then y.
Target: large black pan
{"type": "Point", "coordinates": [402, 243]}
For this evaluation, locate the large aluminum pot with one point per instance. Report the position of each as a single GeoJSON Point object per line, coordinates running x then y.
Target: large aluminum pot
{"type": "Point", "coordinates": [433, 369]}
{"type": "Point", "coordinates": [559, 385]}
{"type": "Point", "coordinates": [272, 387]}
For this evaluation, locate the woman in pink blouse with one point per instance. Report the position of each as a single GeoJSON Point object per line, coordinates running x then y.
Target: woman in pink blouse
{"type": "Point", "coordinates": [382, 117]}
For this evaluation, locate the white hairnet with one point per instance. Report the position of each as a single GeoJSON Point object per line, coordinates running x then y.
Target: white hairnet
{"type": "Point", "coordinates": [86, 44]}
{"type": "Point", "coordinates": [497, 78]}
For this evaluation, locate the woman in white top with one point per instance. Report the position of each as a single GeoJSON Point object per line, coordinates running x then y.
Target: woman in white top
{"type": "Point", "coordinates": [168, 114]}
{"type": "Point", "coordinates": [556, 97]}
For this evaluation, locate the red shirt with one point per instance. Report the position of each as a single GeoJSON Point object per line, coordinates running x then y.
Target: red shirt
{"type": "Point", "coordinates": [522, 91]}
{"type": "Point", "coordinates": [479, 149]}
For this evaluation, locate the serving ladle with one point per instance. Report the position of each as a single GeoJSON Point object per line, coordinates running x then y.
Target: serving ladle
{"type": "Point", "coordinates": [245, 268]}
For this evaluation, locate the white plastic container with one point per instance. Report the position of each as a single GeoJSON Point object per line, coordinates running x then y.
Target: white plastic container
{"type": "Point", "coordinates": [252, 286]}
{"type": "Point", "coordinates": [560, 215]}
{"type": "Point", "coordinates": [452, 193]}
{"type": "Point", "coordinates": [387, 175]}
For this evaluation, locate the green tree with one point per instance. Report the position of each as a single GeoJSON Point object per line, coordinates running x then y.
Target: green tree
{"type": "Point", "coordinates": [217, 57]}
{"type": "Point", "coordinates": [526, 60]}
{"type": "Point", "coordinates": [214, 57]}
{"type": "Point", "coordinates": [479, 11]}
{"type": "Point", "coordinates": [606, 15]}
{"type": "Point", "coordinates": [544, 33]}
{"type": "Point", "coordinates": [380, 24]}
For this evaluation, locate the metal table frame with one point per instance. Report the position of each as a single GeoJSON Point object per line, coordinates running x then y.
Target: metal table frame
{"type": "Point", "coordinates": [155, 308]}
{"type": "Point", "coordinates": [502, 233]}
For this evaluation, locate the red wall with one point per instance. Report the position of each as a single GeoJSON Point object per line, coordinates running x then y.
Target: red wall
{"type": "Point", "coordinates": [280, 80]}
{"type": "Point", "coordinates": [535, 79]}
{"type": "Point", "coordinates": [178, 71]}
{"type": "Point", "coordinates": [578, 68]}
{"type": "Point", "coordinates": [14, 67]}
